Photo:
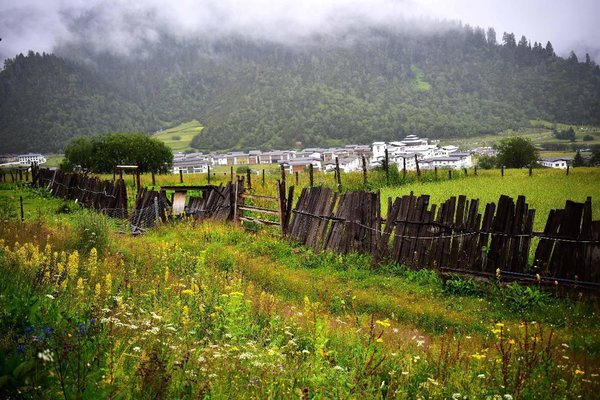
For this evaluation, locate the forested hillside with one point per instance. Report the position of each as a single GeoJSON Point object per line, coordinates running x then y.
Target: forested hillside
{"type": "Point", "coordinates": [370, 84]}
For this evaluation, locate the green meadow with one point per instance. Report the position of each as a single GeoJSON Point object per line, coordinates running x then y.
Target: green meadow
{"type": "Point", "coordinates": [215, 311]}
{"type": "Point", "coordinates": [178, 138]}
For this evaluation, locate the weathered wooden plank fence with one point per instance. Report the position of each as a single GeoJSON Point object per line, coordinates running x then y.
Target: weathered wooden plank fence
{"type": "Point", "coordinates": [105, 196]}
{"type": "Point", "coordinates": [452, 236]}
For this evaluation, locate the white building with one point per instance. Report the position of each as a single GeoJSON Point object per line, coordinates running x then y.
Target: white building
{"type": "Point", "coordinates": [406, 153]}
{"type": "Point", "coordinates": [30, 158]}
{"type": "Point", "coordinates": [350, 164]}
{"type": "Point", "coordinates": [560, 163]}
{"type": "Point", "coordinates": [190, 163]}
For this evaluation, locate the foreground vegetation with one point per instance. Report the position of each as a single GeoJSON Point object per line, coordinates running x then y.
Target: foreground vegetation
{"type": "Point", "coordinates": [202, 310]}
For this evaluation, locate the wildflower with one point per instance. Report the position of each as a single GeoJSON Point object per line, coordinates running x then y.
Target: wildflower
{"type": "Point", "coordinates": [579, 372]}
{"type": "Point", "coordinates": [80, 286]}
{"type": "Point", "coordinates": [507, 397]}
{"type": "Point", "coordinates": [50, 296]}
{"type": "Point", "coordinates": [385, 323]}
{"type": "Point", "coordinates": [511, 341]}
{"type": "Point", "coordinates": [92, 262]}
{"type": "Point", "coordinates": [166, 274]}
{"type": "Point", "coordinates": [481, 376]}
{"type": "Point", "coordinates": [137, 349]}
{"type": "Point", "coordinates": [379, 340]}
{"type": "Point", "coordinates": [73, 265]}
{"type": "Point", "coordinates": [500, 325]}
{"type": "Point", "coordinates": [185, 319]}
{"type": "Point", "coordinates": [46, 355]}
{"type": "Point", "coordinates": [420, 343]}
{"type": "Point", "coordinates": [187, 292]}
{"type": "Point", "coordinates": [478, 356]}
{"type": "Point", "coordinates": [98, 290]}
{"type": "Point", "coordinates": [108, 283]}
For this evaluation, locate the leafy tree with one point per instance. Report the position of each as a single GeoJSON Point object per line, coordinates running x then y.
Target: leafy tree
{"type": "Point", "coordinates": [101, 153]}
{"type": "Point", "coordinates": [516, 152]}
{"type": "Point", "coordinates": [569, 134]}
{"type": "Point", "coordinates": [487, 162]}
{"type": "Point", "coordinates": [578, 160]}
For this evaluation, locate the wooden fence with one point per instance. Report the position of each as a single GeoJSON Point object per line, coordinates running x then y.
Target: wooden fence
{"type": "Point", "coordinates": [106, 196]}
{"type": "Point", "coordinates": [454, 236]}
{"type": "Point", "coordinates": [458, 235]}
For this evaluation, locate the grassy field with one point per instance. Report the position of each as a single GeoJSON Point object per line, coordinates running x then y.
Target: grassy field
{"type": "Point", "coordinates": [211, 311]}
{"type": "Point", "coordinates": [539, 132]}
{"type": "Point", "coordinates": [179, 138]}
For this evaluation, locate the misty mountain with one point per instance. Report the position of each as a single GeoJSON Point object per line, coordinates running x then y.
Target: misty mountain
{"type": "Point", "coordinates": [355, 86]}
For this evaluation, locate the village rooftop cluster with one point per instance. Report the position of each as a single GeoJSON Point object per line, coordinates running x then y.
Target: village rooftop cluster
{"type": "Point", "coordinates": [404, 153]}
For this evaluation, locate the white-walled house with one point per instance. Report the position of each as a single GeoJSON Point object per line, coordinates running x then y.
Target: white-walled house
{"type": "Point", "coordinates": [560, 163]}
{"type": "Point", "coordinates": [30, 158]}
{"type": "Point", "coordinates": [405, 151]}
{"type": "Point", "coordinates": [350, 164]}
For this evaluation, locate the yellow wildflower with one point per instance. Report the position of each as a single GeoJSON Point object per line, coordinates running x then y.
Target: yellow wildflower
{"type": "Point", "coordinates": [73, 264]}
{"type": "Point", "coordinates": [499, 324]}
{"type": "Point", "coordinates": [187, 291]}
{"type": "Point", "coordinates": [185, 318]}
{"type": "Point", "coordinates": [108, 283]}
{"type": "Point", "coordinates": [579, 372]}
{"type": "Point", "coordinates": [379, 340]}
{"type": "Point", "coordinates": [385, 323]}
{"type": "Point", "coordinates": [98, 290]}
{"type": "Point", "coordinates": [80, 286]}
{"type": "Point", "coordinates": [478, 356]}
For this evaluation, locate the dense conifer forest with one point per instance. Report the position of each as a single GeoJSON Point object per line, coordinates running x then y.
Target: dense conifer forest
{"type": "Point", "coordinates": [355, 87]}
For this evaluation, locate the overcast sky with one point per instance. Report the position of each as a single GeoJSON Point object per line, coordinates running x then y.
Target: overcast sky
{"type": "Point", "coordinates": [121, 25]}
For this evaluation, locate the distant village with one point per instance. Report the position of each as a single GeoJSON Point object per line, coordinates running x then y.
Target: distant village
{"type": "Point", "coordinates": [404, 153]}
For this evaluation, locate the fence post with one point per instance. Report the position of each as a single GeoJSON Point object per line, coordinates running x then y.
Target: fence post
{"type": "Point", "coordinates": [310, 174]}
{"type": "Point", "coordinates": [403, 167]}
{"type": "Point", "coordinates": [296, 178]}
{"type": "Point", "coordinates": [231, 174]}
{"type": "Point", "coordinates": [208, 176]}
{"type": "Point", "coordinates": [283, 175]}
{"type": "Point", "coordinates": [502, 171]}
{"type": "Point", "coordinates": [114, 174]}
{"type": "Point", "coordinates": [435, 170]}
{"type": "Point", "coordinates": [235, 202]}
{"type": "Point", "coordinates": [418, 170]}
{"type": "Point", "coordinates": [249, 178]}
{"type": "Point", "coordinates": [282, 205]}
{"type": "Point", "coordinates": [20, 174]}
{"type": "Point", "coordinates": [337, 174]}
{"type": "Point", "coordinates": [466, 172]}
{"type": "Point", "coordinates": [138, 182]}
{"type": "Point", "coordinates": [263, 178]}
{"type": "Point", "coordinates": [21, 204]}
{"type": "Point", "coordinates": [180, 176]}
{"type": "Point", "coordinates": [156, 215]}
{"type": "Point", "coordinates": [568, 166]}
{"type": "Point", "coordinates": [475, 171]}
{"type": "Point", "coordinates": [449, 174]}
{"type": "Point", "coordinates": [364, 168]}
{"type": "Point", "coordinates": [153, 180]}
{"type": "Point", "coordinates": [386, 166]}
{"type": "Point", "coordinates": [530, 170]}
